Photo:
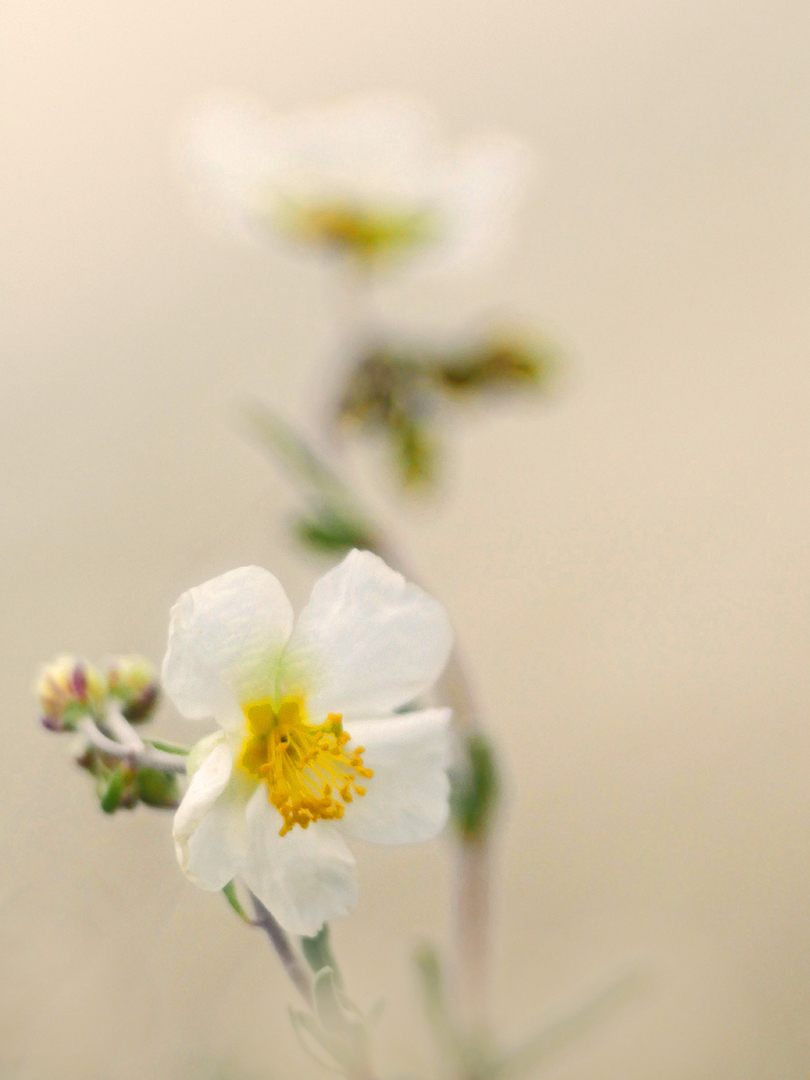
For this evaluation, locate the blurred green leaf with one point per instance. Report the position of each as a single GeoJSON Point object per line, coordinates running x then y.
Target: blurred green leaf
{"type": "Point", "coordinates": [335, 523]}
{"type": "Point", "coordinates": [474, 787]}
{"type": "Point", "coordinates": [290, 449]}
{"type": "Point", "coordinates": [332, 532]}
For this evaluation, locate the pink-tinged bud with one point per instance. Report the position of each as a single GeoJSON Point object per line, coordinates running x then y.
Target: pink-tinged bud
{"type": "Point", "coordinates": [132, 680]}
{"type": "Point", "coordinates": [68, 689]}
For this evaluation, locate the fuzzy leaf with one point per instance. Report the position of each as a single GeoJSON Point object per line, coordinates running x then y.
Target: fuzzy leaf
{"type": "Point", "coordinates": [474, 788]}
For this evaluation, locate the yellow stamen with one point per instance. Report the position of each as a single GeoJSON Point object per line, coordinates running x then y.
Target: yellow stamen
{"type": "Point", "coordinates": [301, 763]}
{"type": "Point", "coordinates": [367, 232]}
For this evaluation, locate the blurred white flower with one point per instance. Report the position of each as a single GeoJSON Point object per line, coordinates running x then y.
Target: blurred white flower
{"type": "Point", "coordinates": [309, 750]}
{"type": "Point", "coordinates": [366, 177]}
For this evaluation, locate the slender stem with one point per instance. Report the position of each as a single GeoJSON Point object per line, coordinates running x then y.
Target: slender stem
{"type": "Point", "coordinates": [284, 950]}
{"type": "Point", "coordinates": [472, 906]}
{"type": "Point", "coordinates": [147, 756]}
{"type": "Point", "coordinates": [121, 728]}
{"type": "Point", "coordinates": [355, 331]}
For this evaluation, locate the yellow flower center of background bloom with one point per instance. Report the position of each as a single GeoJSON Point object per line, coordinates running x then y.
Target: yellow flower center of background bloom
{"type": "Point", "coordinates": [365, 231]}
{"type": "Point", "coordinates": [309, 770]}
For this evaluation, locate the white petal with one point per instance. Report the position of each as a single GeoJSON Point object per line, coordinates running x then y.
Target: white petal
{"type": "Point", "coordinates": [225, 638]}
{"type": "Point", "coordinates": [363, 150]}
{"type": "Point", "coordinates": [304, 878]}
{"type": "Point", "coordinates": [207, 784]}
{"type": "Point", "coordinates": [407, 798]}
{"type": "Point", "coordinates": [367, 641]}
{"type": "Point", "coordinates": [477, 194]}
{"type": "Point", "coordinates": [217, 849]}
{"type": "Point", "coordinates": [201, 750]}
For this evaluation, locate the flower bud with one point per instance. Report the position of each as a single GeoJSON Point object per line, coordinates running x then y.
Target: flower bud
{"type": "Point", "coordinates": [68, 689]}
{"type": "Point", "coordinates": [133, 682]}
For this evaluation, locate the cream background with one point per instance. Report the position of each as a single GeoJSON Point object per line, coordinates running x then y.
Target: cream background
{"type": "Point", "coordinates": [627, 564]}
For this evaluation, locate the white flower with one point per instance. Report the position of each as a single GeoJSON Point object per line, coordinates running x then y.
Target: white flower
{"type": "Point", "coordinates": [366, 177]}
{"type": "Point", "coordinates": [311, 749]}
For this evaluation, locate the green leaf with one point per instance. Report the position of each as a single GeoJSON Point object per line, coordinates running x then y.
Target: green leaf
{"type": "Point", "coordinates": [474, 788]}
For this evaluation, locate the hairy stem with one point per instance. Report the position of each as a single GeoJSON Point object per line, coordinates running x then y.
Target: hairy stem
{"type": "Point", "coordinates": [284, 950]}
{"type": "Point", "coordinates": [139, 753]}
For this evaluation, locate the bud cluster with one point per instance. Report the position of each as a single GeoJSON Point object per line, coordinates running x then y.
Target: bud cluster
{"type": "Point", "coordinates": [72, 691]}
{"type": "Point", "coordinates": [69, 689]}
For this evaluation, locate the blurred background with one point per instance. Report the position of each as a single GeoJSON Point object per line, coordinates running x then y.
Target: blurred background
{"type": "Point", "coordinates": [626, 562]}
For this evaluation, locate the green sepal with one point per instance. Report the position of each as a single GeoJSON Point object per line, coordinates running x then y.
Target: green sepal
{"type": "Point", "coordinates": [229, 892]}
{"type": "Point", "coordinates": [169, 748]}
{"type": "Point", "coordinates": [157, 788]}
{"type": "Point", "coordinates": [112, 790]}
{"type": "Point", "coordinates": [474, 788]}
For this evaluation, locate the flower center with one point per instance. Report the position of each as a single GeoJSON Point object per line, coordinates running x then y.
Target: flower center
{"type": "Point", "coordinates": [366, 231]}
{"type": "Point", "coordinates": [309, 770]}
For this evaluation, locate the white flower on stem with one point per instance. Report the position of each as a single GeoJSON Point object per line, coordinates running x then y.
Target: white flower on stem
{"type": "Point", "coordinates": [367, 178]}
{"type": "Point", "coordinates": [310, 749]}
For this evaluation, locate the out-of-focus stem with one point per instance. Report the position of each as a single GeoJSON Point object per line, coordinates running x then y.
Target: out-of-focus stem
{"type": "Point", "coordinates": [146, 756]}
{"type": "Point", "coordinates": [284, 950]}
{"type": "Point", "coordinates": [472, 944]}
{"type": "Point", "coordinates": [355, 330]}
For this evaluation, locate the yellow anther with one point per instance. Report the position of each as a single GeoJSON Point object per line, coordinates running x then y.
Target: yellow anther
{"type": "Point", "coordinates": [302, 764]}
{"type": "Point", "coordinates": [260, 717]}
